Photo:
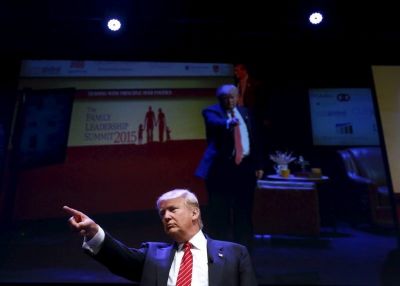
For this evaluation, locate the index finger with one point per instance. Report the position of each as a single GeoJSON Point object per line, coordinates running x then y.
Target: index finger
{"type": "Point", "coordinates": [72, 211]}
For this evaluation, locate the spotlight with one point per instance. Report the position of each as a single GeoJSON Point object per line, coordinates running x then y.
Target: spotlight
{"type": "Point", "coordinates": [315, 18]}
{"type": "Point", "coordinates": [114, 25]}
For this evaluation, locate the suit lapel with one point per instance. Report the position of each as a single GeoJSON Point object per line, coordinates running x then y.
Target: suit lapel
{"type": "Point", "coordinates": [245, 116]}
{"type": "Point", "coordinates": [217, 261]}
{"type": "Point", "coordinates": [164, 256]}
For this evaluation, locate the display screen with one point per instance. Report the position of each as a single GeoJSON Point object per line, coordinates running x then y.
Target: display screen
{"type": "Point", "coordinates": [343, 116]}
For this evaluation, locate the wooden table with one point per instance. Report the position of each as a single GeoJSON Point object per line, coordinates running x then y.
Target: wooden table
{"type": "Point", "coordinates": [286, 207]}
{"type": "Point", "coordinates": [325, 195]}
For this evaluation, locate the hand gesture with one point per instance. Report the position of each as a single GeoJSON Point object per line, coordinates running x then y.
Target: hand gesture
{"type": "Point", "coordinates": [81, 223]}
{"type": "Point", "coordinates": [233, 122]}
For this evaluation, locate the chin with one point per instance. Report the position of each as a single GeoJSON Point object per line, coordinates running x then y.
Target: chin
{"type": "Point", "coordinates": [171, 231]}
{"type": "Point", "coordinates": [175, 235]}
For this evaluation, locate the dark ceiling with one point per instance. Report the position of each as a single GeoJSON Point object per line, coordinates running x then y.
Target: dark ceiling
{"type": "Point", "coordinates": [198, 30]}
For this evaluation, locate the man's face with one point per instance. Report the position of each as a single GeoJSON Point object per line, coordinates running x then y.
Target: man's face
{"type": "Point", "coordinates": [179, 220]}
{"type": "Point", "coordinates": [228, 101]}
{"type": "Point", "coordinates": [240, 72]}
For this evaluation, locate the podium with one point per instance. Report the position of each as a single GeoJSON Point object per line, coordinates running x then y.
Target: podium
{"type": "Point", "coordinates": [286, 207]}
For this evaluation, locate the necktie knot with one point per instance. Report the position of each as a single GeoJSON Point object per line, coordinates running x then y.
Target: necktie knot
{"type": "Point", "coordinates": [187, 246]}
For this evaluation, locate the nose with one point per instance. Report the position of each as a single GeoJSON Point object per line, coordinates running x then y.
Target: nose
{"type": "Point", "coordinates": [167, 216]}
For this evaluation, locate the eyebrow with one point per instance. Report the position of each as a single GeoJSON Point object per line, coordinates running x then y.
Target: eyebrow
{"type": "Point", "coordinates": [167, 208]}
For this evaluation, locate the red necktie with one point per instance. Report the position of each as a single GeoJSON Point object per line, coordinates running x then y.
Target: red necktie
{"type": "Point", "coordinates": [185, 270]}
{"type": "Point", "coordinates": [238, 143]}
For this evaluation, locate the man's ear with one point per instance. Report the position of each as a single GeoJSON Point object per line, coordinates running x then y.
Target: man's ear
{"type": "Point", "coordinates": [195, 213]}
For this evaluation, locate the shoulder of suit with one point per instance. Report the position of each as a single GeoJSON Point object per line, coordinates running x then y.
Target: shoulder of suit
{"type": "Point", "coordinates": [224, 244]}
{"type": "Point", "coordinates": [213, 108]}
{"type": "Point", "coordinates": [151, 244]}
{"type": "Point", "coordinates": [254, 81]}
{"type": "Point", "coordinates": [216, 106]}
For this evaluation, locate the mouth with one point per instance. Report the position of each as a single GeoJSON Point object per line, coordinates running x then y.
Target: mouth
{"type": "Point", "coordinates": [171, 225]}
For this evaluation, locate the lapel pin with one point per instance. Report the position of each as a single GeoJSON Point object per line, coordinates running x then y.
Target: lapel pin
{"type": "Point", "coordinates": [220, 254]}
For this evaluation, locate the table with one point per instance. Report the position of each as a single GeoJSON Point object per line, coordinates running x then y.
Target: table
{"type": "Point", "coordinates": [325, 197]}
{"type": "Point", "coordinates": [292, 205]}
{"type": "Point", "coordinates": [297, 178]}
{"type": "Point", "coordinates": [286, 207]}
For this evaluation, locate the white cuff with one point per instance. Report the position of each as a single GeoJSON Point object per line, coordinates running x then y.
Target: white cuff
{"type": "Point", "coordinates": [94, 244]}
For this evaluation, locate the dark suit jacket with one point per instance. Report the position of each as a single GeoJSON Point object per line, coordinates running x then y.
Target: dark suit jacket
{"type": "Point", "coordinates": [252, 93]}
{"type": "Point", "coordinates": [220, 140]}
{"type": "Point", "coordinates": [229, 263]}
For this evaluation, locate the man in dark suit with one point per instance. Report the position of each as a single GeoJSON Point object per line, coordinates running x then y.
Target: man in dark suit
{"type": "Point", "coordinates": [230, 182]}
{"type": "Point", "coordinates": [212, 262]}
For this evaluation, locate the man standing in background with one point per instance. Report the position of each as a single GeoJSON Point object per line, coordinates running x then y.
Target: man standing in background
{"type": "Point", "coordinates": [230, 166]}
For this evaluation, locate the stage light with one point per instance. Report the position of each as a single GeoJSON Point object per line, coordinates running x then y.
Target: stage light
{"type": "Point", "coordinates": [114, 24]}
{"type": "Point", "coordinates": [316, 18]}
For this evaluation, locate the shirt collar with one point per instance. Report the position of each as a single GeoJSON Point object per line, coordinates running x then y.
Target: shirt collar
{"type": "Point", "coordinates": [198, 241]}
{"type": "Point", "coordinates": [235, 111]}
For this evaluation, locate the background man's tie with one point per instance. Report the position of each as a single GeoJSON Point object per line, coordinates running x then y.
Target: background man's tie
{"type": "Point", "coordinates": [185, 269]}
{"type": "Point", "coordinates": [238, 143]}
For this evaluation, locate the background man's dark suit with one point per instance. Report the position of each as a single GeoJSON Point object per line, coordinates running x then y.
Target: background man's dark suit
{"type": "Point", "coordinates": [253, 96]}
{"type": "Point", "coordinates": [230, 187]}
{"type": "Point", "coordinates": [151, 263]}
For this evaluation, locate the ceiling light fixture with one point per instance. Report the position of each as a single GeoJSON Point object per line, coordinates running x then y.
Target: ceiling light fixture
{"type": "Point", "coordinates": [316, 18]}
{"type": "Point", "coordinates": [114, 24]}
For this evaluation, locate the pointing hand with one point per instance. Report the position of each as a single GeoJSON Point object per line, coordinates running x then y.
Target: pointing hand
{"type": "Point", "coordinates": [233, 122]}
{"type": "Point", "coordinates": [81, 223]}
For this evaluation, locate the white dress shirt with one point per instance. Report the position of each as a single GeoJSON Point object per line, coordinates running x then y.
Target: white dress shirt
{"type": "Point", "coordinates": [200, 262]}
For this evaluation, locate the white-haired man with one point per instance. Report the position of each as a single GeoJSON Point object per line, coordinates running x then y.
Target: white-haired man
{"type": "Point", "coordinates": [200, 260]}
